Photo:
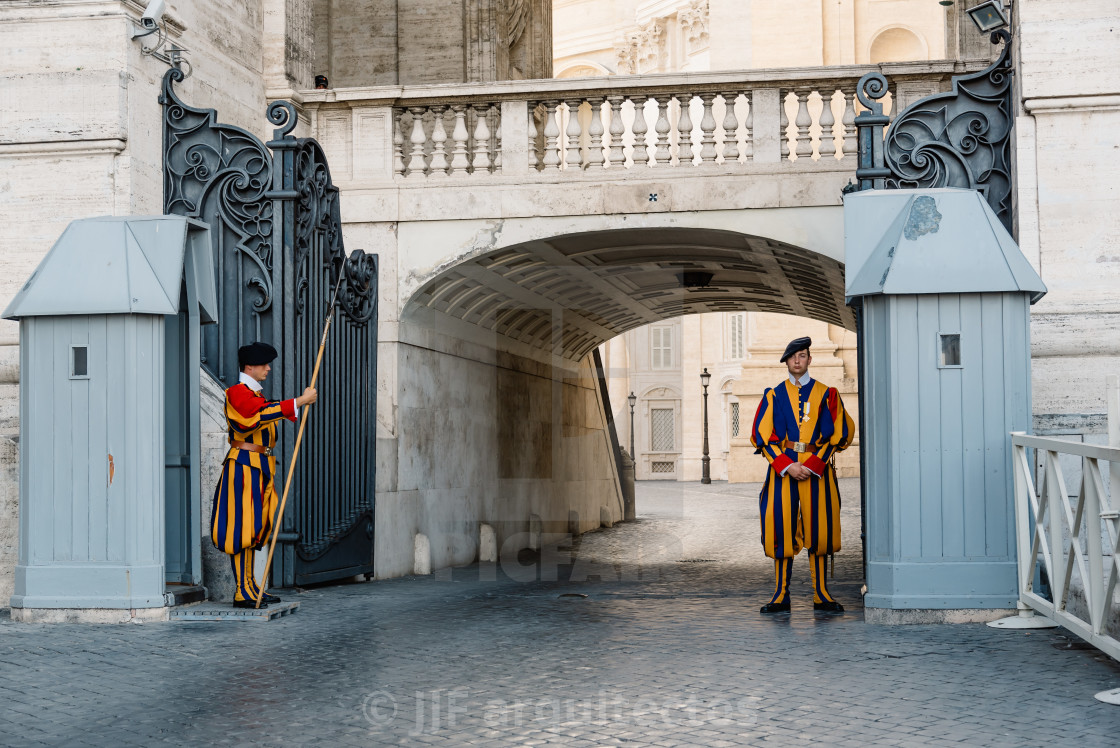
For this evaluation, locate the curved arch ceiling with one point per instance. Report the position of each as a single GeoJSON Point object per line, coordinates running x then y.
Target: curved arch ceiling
{"type": "Point", "coordinates": [602, 284]}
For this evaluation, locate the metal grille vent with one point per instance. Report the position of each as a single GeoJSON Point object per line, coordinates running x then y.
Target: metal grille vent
{"type": "Point", "coordinates": [661, 420]}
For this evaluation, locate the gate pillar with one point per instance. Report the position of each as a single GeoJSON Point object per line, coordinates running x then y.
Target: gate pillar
{"type": "Point", "coordinates": [945, 357]}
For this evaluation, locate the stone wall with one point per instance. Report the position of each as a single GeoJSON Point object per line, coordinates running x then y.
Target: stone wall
{"type": "Point", "coordinates": [1069, 205]}
{"type": "Point", "coordinates": [416, 42]}
{"type": "Point", "coordinates": [487, 436]}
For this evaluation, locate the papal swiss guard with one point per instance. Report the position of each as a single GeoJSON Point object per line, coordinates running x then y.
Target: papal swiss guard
{"type": "Point", "coordinates": [799, 426]}
{"type": "Point", "coordinates": [245, 499]}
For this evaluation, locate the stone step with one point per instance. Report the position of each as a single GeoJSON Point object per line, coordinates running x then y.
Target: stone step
{"type": "Point", "coordinates": [184, 594]}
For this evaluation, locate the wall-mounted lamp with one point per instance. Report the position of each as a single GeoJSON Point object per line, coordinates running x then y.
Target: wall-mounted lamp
{"type": "Point", "coordinates": [988, 16]}
{"type": "Point", "coordinates": [163, 50]}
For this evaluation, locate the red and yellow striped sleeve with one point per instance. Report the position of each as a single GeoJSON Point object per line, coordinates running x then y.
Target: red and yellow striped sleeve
{"type": "Point", "coordinates": [247, 410]}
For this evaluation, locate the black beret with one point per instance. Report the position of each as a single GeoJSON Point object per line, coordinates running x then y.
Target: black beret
{"type": "Point", "coordinates": [256, 354]}
{"type": "Point", "coordinates": [800, 344]}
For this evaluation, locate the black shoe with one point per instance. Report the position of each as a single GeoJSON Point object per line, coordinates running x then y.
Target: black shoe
{"type": "Point", "coordinates": [248, 604]}
{"type": "Point", "coordinates": [829, 606]}
{"type": "Point", "coordinates": [267, 598]}
{"type": "Point", "coordinates": [775, 608]}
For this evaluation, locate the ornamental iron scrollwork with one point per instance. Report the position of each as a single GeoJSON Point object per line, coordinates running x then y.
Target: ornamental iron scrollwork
{"type": "Point", "coordinates": [334, 490]}
{"type": "Point", "coordinates": [276, 234]}
{"type": "Point", "coordinates": [957, 139]}
{"type": "Point", "coordinates": [222, 175]}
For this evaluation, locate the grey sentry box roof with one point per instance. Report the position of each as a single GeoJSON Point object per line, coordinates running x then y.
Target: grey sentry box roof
{"type": "Point", "coordinates": [936, 241]}
{"type": "Point", "coordinates": [109, 429]}
{"type": "Point", "coordinates": [112, 265]}
{"type": "Point", "coordinates": [944, 297]}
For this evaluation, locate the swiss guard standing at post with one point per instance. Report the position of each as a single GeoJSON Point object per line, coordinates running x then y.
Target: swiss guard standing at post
{"type": "Point", "coordinates": [245, 499]}
{"type": "Point", "coordinates": [799, 426]}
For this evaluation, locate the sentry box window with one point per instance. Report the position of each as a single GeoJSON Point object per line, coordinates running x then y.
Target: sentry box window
{"type": "Point", "coordinates": [79, 362]}
{"type": "Point", "coordinates": [949, 350]}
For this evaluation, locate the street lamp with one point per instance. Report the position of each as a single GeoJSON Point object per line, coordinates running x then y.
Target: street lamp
{"type": "Point", "coordinates": [706, 476]}
{"type": "Point", "coordinates": [632, 399]}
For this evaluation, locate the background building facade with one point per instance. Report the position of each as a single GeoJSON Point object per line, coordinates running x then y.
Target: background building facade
{"type": "Point", "coordinates": [661, 363]}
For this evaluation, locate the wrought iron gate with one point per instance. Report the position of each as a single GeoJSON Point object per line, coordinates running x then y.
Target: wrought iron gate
{"type": "Point", "coordinates": [275, 223]}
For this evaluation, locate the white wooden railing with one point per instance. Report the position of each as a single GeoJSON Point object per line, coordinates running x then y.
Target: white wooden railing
{"type": "Point", "coordinates": [1068, 534]}
{"type": "Point", "coordinates": [560, 128]}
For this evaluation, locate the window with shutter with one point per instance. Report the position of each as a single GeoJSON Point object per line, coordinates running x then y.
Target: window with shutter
{"type": "Point", "coordinates": [736, 336]}
{"type": "Point", "coordinates": [661, 347]}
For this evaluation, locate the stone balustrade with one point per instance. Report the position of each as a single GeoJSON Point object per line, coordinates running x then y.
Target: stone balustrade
{"type": "Point", "coordinates": [558, 128]}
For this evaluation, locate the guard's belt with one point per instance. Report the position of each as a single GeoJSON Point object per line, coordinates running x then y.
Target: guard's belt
{"type": "Point", "coordinates": [796, 446]}
{"type": "Point", "coordinates": [251, 447]}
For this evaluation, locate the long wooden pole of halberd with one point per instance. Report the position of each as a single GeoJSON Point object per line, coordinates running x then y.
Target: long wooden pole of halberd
{"type": "Point", "coordinates": [278, 519]}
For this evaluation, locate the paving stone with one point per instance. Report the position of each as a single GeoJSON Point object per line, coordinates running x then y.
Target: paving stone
{"type": "Point", "coordinates": [666, 649]}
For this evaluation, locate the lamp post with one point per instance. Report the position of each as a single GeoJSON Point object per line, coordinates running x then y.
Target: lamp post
{"type": "Point", "coordinates": [632, 400]}
{"type": "Point", "coordinates": [706, 461]}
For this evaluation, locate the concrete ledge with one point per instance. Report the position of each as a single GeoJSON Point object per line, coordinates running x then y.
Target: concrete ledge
{"type": "Point", "coordinates": [888, 617]}
{"type": "Point", "coordinates": [89, 615]}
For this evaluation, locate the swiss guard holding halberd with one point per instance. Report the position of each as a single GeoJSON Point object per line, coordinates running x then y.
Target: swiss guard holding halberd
{"type": "Point", "coordinates": [799, 426]}
{"type": "Point", "coordinates": [245, 499]}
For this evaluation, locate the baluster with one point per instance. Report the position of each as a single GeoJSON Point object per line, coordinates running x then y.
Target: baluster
{"type": "Point", "coordinates": [748, 126]}
{"type": "Point", "coordinates": [495, 116]}
{"type": "Point", "coordinates": [532, 108]}
{"type": "Point", "coordinates": [783, 125]}
{"type": "Point", "coordinates": [416, 158]}
{"type": "Point", "coordinates": [684, 127]}
{"type": "Point", "coordinates": [828, 142]}
{"type": "Point", "coordinates": [595, 131]}
{"type": "Point", "coordinates": [439, 137]}
{"type": "Point", "coordinates": [398, 143]}
{"type": "Point", "coordinates": [551, 134]}
{"type": "Point", "coordinates": [662, 155]}
{"type": "Point", "coordinates": [574, 159]}
{"type": "Point", "coordinates": [803, 122]}
{"type": "Point", "coordinates": [849, 121]}
{"type": "Point", "coordinates": [730, 129]}
{"type": "Point", "coordinates": [708, 125]}
{"type": "Point", "coordinates": [481, 162]}
{"type": "Point", "coordinates": [617, 155]}
{"type": "Point", "coordinates": [459, 160]}
{"type": "Point", "coordinates": [641, 149]}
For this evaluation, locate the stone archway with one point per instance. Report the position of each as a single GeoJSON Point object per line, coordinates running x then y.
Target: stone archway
{"type": "Point", "coordinates": [500, 417]}
{"type": "Point", "coordinates": [606, 282]}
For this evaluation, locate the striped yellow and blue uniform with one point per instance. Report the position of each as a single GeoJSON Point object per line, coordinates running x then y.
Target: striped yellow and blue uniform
{"type": "Point", "coordinates": [801, 514]}
{"type": "Point", "coordinates": [245, 499]}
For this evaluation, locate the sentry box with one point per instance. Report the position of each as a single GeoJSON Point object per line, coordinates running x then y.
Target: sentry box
{"type": "Point", "coordinates": [109, 415]}
{"type": "Point", "coordinates": [944, 298]}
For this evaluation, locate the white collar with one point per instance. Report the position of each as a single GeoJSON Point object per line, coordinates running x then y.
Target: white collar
{"type": "Point", "coordinates": [249, 382]}
{"type": "Point", "coordinates": [805, 379]}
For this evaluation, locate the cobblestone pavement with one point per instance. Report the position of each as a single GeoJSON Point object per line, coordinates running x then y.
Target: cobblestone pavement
{"type": "Point", "coordinates": [647, 634]}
